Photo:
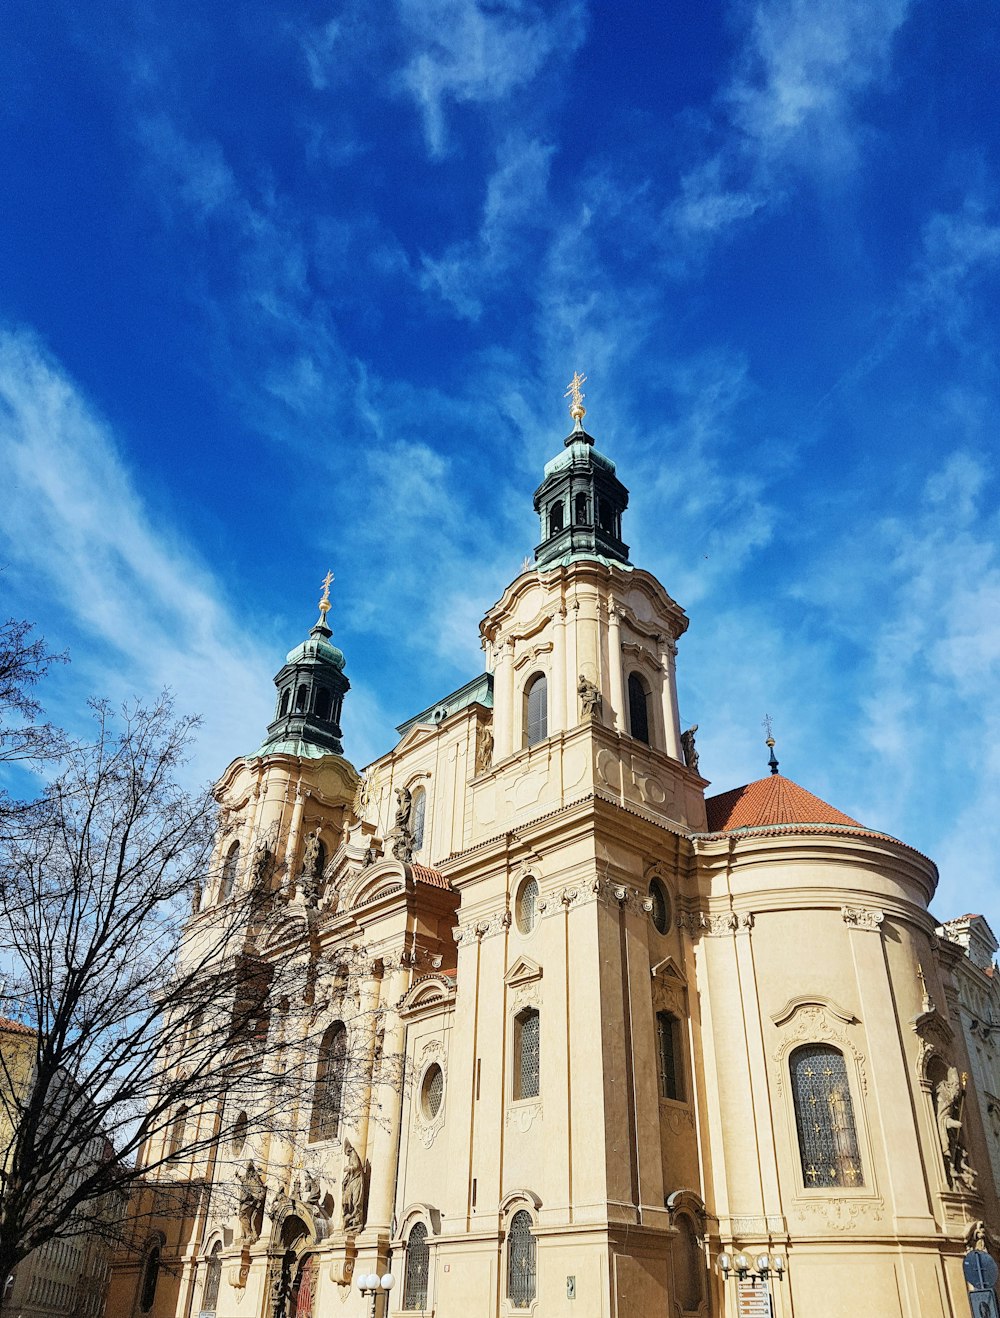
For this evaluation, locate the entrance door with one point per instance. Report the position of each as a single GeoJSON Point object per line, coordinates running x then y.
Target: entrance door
{"type": "Point", "coordinates": [304, 1290]}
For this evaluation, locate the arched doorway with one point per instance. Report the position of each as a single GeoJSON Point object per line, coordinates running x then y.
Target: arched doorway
{"type": "Point", "coordinates": [294, 1273]}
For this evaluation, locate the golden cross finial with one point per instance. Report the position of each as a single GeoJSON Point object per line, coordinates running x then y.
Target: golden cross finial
{"type": "Point", "coordinates": [324, 601]}
{"type": "Point", "coordinates": [576, 396]}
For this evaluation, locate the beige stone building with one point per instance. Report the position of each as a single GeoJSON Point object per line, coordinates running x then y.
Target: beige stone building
{"type": "Point", "coordinates": [641, 1028]}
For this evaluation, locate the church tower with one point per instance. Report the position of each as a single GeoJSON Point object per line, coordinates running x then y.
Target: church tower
{"type": "Point", "coordinates": [617, 1049]}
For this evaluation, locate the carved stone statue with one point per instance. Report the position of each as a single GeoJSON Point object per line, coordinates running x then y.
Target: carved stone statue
{"type": "Point", "coordinates": [484, 749]}
{"type": "Point", "coordinates": [975, 1237]}
{"type": "Point", "coordinates": [590, 698]}
{"type": "Point", "coordinates": [262, 859]}
{"type": "Point", "coordinates": [353, 1189]}
{"type": "Point", "coordinates": [688, 747]}
{"type": "Point", "coordinates": [252, 1191]}
{"type": "Point", "coordinates": [311, 854]}
{"type": "Point", "coordinates": [949, 1100]}
{"type": "Point", "coordinates": [369, 858]}
{"type": "Point", "coordinates": [310, 1190]}
{"type": "Point", "coordinates": [279, 1204]}
{"type": "Point", "coordinates": [401, 838]}
{"type": "Point", "coordinates": [404, 806]}
{"type": "Point", "coordinates": [196, 897]}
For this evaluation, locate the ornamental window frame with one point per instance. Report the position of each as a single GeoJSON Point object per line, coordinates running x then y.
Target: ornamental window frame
{"type": "Point", "coordinates": [841, 1130]}
{"type": "Point", "coordinates": [537, 679]}
{"type": "Point", "coordinates": [515, 1203]}
{"type": "Point", "coordinates": [428, 1217]}
{"type": "Point", "coordinates": [816, 1019]}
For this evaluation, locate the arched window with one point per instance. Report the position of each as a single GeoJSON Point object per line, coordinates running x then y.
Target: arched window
{"type": "Point", "coordinates": [329, 1093]}
{"type": "Point", "coordinates": [418, 1258]}
{"type": "Point", "coordinates": [824, 1117]}
{"type": "Point", "coordinates": [418, 813]}
{"type": "Point", "coordinates": [150, 1276]}
{"type": "Point", "coordinates": [521, 1270]}
{"type": "Point", "coordinates": [660, 898]}
{"type": "Point", "coordinates": [555, 518]}
{"type": "Point", "coordinates": [536, 710]}
{"type": "Point", "coordinates": [526, 1054]}
{"type": "Point", "coordinates": [605, 515]}
{"type": "Point", "coordinates": [580, 510]}
{"type": "Point", "coordinates": [213, 1277]}
{"type": "Point", "coordinates": [300, 698]}
{"type": "Point", "coordinates": [229, 871]}
{"type": "Point", "coordinates": [638, 708]}
{"type": "Point", "coordinates": [286, 700]}
{"type": "Point", "coordinates": [668, 1055]}
{"type": "Point", "coordinates": [176, 1140]}
{"type": "Point", "coordinates": [322, 703]}
{"type": "Point", "coordinates": [526, 905]}
{"type": "Point", "coordinates": [240, 1127]}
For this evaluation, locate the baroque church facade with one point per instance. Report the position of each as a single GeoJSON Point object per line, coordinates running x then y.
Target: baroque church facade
{"type": "Point", "coordinates": [625, 1049]}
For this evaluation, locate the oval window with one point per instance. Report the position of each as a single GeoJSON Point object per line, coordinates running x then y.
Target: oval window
{"type": "Point", "coordinates": [239, 1134]}
{"type": "Point", "coordinates": [661, 906]}
{"type": "Point", "coordinates": [432, 1091]}
{"type": "Point", "coordinates": [526, 906]}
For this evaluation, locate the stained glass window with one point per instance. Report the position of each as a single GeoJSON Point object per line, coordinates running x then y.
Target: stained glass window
{"type": "Point", "coordinates": [824, 1117]}
{"type": "Point", "coordinates": [668, 1050]}
{"type": "Point", "coordinates": [526, 906]}
{"type": "Point", "coordinates": [536, 721]}
{"type": "Point", "coordinates": [329, 1091]}
{"type": "Point", "coordinates": [418, 1256]}
{"type": "Point", "coordinates": [526, 1058]}
{"type": "Point", "coordinates": [520, 1261]}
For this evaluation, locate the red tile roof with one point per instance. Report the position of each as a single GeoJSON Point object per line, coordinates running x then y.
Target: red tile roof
{"type": "Point", "coordinates": [770, 801]}
{"type": "Point", "coordinates": [14, 1027]}
{"type": "Point", "coordinates": [423, 874]}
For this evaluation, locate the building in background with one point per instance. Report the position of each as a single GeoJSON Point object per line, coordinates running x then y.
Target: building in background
{"type": "Point", "coordinates": [625, 1049]}
{"type": "Point", "coordinates": [66, 1277]}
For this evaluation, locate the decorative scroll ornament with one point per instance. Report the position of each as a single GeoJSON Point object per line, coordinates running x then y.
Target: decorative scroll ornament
{"type": "Point", "coordinates": [716, 923]}
{"type": "Point", "coordinates": [862, 917]}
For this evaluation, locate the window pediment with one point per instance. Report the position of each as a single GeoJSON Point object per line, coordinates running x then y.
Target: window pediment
{"type": "Point", "coordinates": [523, 971]}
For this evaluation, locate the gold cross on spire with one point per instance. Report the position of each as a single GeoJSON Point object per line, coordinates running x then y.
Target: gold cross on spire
{"type": "Point", "coordinates": [324, 601]}
{"type": "Point", "coordinates": [575, 394]}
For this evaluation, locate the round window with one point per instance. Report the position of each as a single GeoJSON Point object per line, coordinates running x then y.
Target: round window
{"type": "Point", "coordinates": [432, 1091]}
{"type": "Point", "coordinates": [526, 906]}
{"type": "Point", "coordinates": [661, 906]}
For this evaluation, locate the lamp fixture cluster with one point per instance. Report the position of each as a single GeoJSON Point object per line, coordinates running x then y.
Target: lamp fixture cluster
{"type": "Point", "coordinates": [757, 1269]}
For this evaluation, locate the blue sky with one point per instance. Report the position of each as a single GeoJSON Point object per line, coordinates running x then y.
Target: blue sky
{"type": "Point", "coordinates": [289, 287]}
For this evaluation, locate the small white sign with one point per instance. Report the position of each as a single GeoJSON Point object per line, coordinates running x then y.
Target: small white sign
{"type": "Point", "coordinates": [754, 1300]}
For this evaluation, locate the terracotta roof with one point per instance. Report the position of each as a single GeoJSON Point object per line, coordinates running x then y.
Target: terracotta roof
{"type": "Point", "coordinates": [423, 874]}
{"type": "Point", "coordinates": [14, 1027]}
{"type": "Point", "coordinates": [767, 802]}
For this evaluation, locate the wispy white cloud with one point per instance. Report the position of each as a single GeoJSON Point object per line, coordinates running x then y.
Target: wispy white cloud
{"type": "Point", "coordinates": [792, 104]}
{"type": "Point", "coordinates": [473, 52]}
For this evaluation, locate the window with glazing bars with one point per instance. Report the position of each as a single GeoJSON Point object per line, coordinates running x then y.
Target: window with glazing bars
{"type": "Point", "coordinates": [520, 1261]}
{"type": "Point", "coordinates": [536, 721]}
{"type": "Point", "coordinates": [418, 813]}
{"type": "Point", "coordinates": [527, 905]}
{"type": "Point", "coordinates": [213, 1279]}
{"type": "Point", "coordinates": [638, 708]}
{"type": "Point", "coordinates": [329, 1091]}
{"type": "Point", "coordinates": [824, 1117]}
{"type": "Point", "coordinates": [526, 1058]}
{"type": "Point", "coordinates": [418, 1256]}
{"type": "Point", "coordinates": [668, 1048]}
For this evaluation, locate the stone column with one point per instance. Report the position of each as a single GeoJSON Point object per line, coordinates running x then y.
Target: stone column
{"type": "Point", "coordinates": [558, 714]}
{"type": "Point", "coordinates": [671, 714]}
{"type": "Point", "coordinates": [571, 622]}
{"type": "Point", "coordinates": [503, 701]}
{"type": "Point", "coordinates": [389, 1093]}
{"type": "Point", "coordinates": [617, 691]}
{"type": "Point", "coordinates": [891, 1089]}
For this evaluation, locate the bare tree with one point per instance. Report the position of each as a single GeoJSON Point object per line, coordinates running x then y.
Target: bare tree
{"type": "Point", "coordinates": [25, 737]}
{"type": "Point", "coordinates": [154, 1030]}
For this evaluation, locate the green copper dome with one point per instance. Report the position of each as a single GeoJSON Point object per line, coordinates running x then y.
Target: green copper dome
{"type": "Point", "coordinates": [316, 647]}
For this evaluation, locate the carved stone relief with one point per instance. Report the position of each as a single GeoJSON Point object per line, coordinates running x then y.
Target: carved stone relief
{"type": "Point", "coordinates": [428, 1127]}
{"type": "Point", "coordinates": [862, 917]}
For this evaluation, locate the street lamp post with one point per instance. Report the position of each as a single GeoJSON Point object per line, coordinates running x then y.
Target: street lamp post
{"type": "Point", "coordinates": [370, 1283]}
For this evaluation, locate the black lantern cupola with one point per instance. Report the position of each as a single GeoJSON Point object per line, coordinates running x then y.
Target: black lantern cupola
{"type": "Point", "coordinates": [580, 500]}
{"type": "Point", "coordinates": [311, 689]}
